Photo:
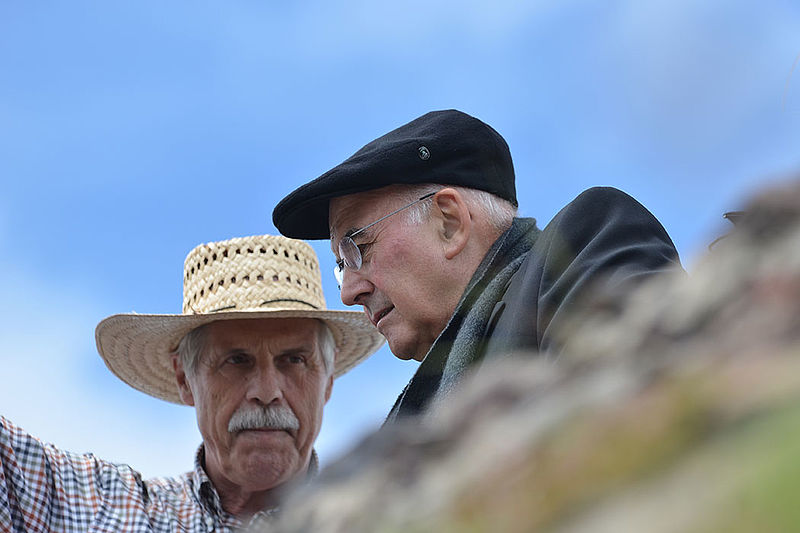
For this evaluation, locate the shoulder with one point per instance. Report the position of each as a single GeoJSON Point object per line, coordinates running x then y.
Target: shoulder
{"type": "Point", "coordinates": [170, 487]}
{"type": "Point", "coordinates": [603, 212]}
{"type": "Point", "coordinates": [173, 499]}
{"type": "Point", "coordinates": [603, 193]}
{"type": "Point", "coordinates": [602, 229]}
{"type": "Point", "coordinates": [602, 202]}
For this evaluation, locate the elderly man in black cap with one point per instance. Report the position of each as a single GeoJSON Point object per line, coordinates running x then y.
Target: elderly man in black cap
{"type": "Point", "coordinates": [423, 225]}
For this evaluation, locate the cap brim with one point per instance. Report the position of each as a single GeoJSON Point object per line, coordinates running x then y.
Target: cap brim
{"type": "Point", "coordinates": [303, 214]}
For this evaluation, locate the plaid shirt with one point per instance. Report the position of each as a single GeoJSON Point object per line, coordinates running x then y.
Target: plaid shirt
{"type": "Point", "coordinates": [45, 489]}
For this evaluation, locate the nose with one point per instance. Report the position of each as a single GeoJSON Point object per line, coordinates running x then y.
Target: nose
{"type": "Point", "coordinates": [264, 385]}
{"type": "Point", "coordinates": [355, 287]}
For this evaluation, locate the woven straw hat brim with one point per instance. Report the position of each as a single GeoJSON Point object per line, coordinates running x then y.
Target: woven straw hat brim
{"type": "Point", "coordinates": [137, 348]}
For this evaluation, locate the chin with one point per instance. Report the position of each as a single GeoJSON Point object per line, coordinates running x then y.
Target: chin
{"type": "Point", "coordinates": [403, 352]}
{"type": "Point", "coordinates": [267, 474]}
{"type": "Point", "coordinates": [270, 467]}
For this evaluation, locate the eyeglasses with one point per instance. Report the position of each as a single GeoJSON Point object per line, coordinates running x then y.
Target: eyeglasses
{"type": "Point", "coordinates": [350, 254]}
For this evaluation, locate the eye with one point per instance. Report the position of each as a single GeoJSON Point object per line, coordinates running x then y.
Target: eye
{"type": "Point", "coordinates": [363, 248]}
{"type": "Point", "coordinates": [237, 359]}
{"type": "Point", "coordinates": [293, 359]}
{"type": "Point", "coordinates": [340, 264]}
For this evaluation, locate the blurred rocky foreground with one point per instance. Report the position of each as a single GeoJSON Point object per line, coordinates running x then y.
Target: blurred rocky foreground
{"type": "Point", "coordinates": [682, 414]}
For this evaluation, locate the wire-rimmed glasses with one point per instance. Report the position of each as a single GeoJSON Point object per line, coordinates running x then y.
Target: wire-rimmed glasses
{"type": "Point", "coordinates": [350, 254]}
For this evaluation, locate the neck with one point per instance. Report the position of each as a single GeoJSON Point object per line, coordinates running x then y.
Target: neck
{"type": "Point", "coordinates": [242, 503]}
{"type": "Point", "coordinates": [243, 499]}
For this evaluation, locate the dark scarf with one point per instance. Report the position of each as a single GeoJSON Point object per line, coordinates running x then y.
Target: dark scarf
{"type": "Point", "coordinates": [461, 342]}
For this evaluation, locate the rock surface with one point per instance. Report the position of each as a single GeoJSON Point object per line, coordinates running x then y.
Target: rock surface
{"type": "Point", "coordinates": [681, 412]}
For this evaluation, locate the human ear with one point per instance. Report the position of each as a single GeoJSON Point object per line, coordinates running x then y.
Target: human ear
{"type": "Point", "coordinates": [184, 389]}
{"type": "Point", "coordinates": [455, 220]}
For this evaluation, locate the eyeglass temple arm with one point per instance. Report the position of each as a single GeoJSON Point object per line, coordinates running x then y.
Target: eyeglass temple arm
{"type": "Point", "coordinates": [384, 217]}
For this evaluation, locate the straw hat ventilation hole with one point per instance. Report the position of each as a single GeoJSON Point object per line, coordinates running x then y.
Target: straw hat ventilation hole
{"type": "Point", "coordinates": [259, 277]}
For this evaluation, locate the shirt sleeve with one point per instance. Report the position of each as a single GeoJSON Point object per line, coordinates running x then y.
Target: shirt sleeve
{"type": "Point", "coordinates": [43, 488]}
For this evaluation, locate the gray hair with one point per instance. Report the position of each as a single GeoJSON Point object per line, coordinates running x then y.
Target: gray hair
{"type": "Point", "coordinates": [193, 344]}
{"type": "Point", "coordinates": [498, 212]}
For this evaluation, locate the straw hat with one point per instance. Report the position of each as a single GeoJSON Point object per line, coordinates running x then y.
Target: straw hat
{"type": "Point", "coordinates": [264, 276]}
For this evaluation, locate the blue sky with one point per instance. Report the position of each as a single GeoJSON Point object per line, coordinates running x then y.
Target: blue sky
{"type": "Point", "coordinates": [131, 132]}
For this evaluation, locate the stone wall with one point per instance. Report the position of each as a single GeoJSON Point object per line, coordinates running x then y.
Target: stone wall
{"type": "Point", "coordinates": [679, 411]}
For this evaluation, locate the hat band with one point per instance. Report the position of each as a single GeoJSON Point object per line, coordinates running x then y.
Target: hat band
{"type": "Point", "coordinates": [312, 306]}
{"type": "Point", "coordinates": [265, 302]}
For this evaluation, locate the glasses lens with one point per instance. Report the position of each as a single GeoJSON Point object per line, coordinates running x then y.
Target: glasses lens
{"type": "Point", "coordinates": [350, 257]}
{"type": "Point", "coordinates": [350, 254]}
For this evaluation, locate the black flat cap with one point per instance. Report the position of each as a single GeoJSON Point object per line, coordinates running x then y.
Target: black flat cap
{"type": "Point", "coordinates": [447, 147]}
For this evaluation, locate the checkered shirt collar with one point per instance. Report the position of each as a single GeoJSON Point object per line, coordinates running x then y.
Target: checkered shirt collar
{"type": "Point", "coordinates": [205, 493]}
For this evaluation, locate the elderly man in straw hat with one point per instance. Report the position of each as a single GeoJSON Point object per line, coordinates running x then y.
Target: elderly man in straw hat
{"type": "Point", "coordinates": [255, 352]}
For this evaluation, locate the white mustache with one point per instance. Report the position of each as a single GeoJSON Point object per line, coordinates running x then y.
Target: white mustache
{"type": "Point", "coordinates": [269, 417]}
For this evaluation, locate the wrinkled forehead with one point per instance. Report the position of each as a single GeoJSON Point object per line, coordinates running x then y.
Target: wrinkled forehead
{"type": "Point", "coordinates": [351, 212]}
{"type": "Point", "coordinates": [272, 333]}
